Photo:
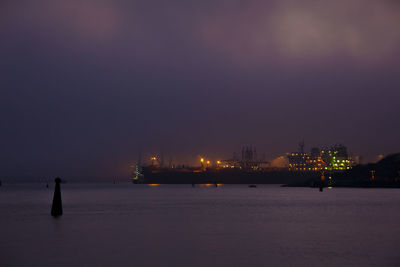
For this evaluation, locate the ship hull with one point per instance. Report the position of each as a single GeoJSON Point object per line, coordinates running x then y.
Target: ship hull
{"type": "Point", "coordinates": [152, 176]}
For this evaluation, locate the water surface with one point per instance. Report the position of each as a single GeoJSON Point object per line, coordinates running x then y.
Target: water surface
{"type": "Point", "coordinates": [177, 225]}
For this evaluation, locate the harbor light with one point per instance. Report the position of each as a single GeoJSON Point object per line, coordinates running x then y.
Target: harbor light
{"type": "Point", "coordinates": [153, 160]}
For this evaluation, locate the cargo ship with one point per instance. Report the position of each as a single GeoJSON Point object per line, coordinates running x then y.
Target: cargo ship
{"type": "Point", "coordinates": [247, 170]}
{"type": "Point", "coordinates": [302, 170]}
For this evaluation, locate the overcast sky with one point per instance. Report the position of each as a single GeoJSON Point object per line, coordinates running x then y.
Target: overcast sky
{"type": "Point", "coordinates": [85, 85]}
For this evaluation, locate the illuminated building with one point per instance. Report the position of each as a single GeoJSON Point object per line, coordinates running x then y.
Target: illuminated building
{"type": "Point", "coordinates": [334, 158]}
{"type": "Point", "coordinates": [300, 161]}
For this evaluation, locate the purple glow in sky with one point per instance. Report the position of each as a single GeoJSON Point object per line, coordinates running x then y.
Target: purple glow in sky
{"type": "Point", "coordinates": [86, 84]}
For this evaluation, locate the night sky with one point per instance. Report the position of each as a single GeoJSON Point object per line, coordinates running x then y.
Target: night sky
{"type": "Point", "coordinates": [85, 85]}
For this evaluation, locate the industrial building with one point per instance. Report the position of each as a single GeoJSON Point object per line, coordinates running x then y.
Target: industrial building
{"type": "Point", "coordinates": [333, 158]}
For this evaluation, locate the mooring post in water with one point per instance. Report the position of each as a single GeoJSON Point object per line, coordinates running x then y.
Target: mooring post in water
{"type": "Point", "coordinates": [321, 182]}
{"type": "Point", "coordinates": [56, 208]}
{"type": "Point", "coordinates": [373, 176]}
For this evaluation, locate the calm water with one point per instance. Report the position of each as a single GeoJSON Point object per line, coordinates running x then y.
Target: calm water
{"type": "Point", "coordinates": [233, 225]}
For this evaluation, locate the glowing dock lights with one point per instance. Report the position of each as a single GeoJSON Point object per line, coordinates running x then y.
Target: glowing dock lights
{"type": "Point", "coordinates": [153, 160]}
{"type": "Point", "coordinates": [372, 175]}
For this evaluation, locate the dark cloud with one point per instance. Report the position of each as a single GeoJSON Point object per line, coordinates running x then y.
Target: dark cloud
{"type": "Point", "coordinates": [86, 84]}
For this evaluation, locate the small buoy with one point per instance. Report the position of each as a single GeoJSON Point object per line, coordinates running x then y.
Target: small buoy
{"type": "Point", "coordinates": [56, 208]}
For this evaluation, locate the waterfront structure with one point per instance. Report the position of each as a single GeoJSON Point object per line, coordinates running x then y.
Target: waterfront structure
{"type": "Point", "coordinates": [301, 161]}
{"type": "Point", "coordinates": [298, 161]}
{"type": "Point", "coordinates": [248, 161]}
{"type": "Point", "coordinates": [334, 158]}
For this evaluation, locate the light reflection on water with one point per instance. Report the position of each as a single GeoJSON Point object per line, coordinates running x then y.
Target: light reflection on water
{"type": "Point", "coordinates": [181, 225]}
